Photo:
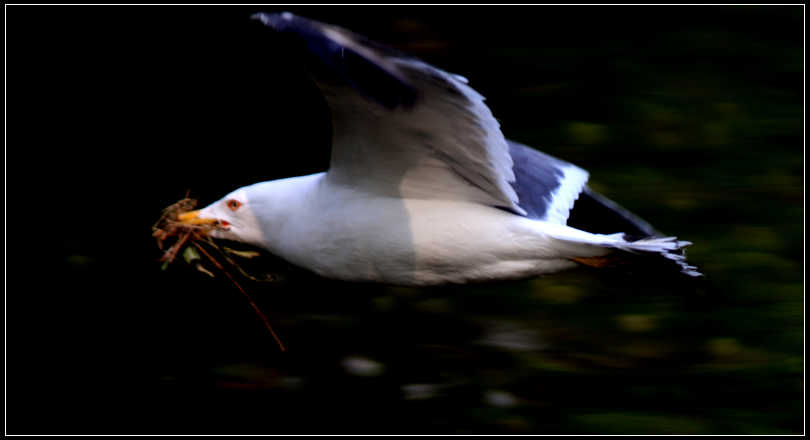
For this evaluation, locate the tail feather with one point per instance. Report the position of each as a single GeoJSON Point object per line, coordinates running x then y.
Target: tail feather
{"type": "Point", "coordinates": [669, 248]}
{"type": "Point", "coordinates": [654, 252]}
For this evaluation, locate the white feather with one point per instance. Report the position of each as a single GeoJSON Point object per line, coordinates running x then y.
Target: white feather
{"type": "Point", "coordinates": [563, 198]}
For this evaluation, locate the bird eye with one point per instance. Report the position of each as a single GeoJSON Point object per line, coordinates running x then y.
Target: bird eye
{"type": "Point", "coordinates": [233, 205]}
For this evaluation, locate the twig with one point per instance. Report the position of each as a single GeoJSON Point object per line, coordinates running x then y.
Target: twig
{"type": "Point", "coordinates": [269, 279]}
{"type": "Point", "coordinates": [250, 300]}
{"type": "Point", "coordinates": [171, 254]}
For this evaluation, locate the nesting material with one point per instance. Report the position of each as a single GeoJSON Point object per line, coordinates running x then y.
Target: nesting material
{"type": "Point", "coordinates": [194, 241]}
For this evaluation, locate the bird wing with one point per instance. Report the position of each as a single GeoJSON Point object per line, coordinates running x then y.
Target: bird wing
{"type": "Point", "coordinates": [547, 187]}
{"type": "Point", "coordinates": [402, 127]}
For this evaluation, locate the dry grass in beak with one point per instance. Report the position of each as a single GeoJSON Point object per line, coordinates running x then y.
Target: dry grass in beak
{"type": "Point", "coordinates": [169, 226]}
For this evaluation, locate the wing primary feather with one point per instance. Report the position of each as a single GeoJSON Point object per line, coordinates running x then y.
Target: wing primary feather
{"type": "Point", "coordinates": [339, 51]}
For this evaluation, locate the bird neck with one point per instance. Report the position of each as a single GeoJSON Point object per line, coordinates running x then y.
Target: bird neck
{"type": "Point", "coordinates": [277, 203]}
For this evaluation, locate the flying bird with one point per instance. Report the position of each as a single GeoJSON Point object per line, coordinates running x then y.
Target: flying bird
{"type": "Point", "coordinates": [423, 188]}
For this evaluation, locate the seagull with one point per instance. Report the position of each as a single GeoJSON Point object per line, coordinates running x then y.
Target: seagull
{"type": "Point", "coordinates": [423, 188]}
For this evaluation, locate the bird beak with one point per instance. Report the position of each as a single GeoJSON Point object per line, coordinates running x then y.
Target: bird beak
{"type": "Point", "coordinates": [193, 218]}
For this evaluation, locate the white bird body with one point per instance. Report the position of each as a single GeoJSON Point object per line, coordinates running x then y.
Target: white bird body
{"type": "Point", "coordinates": [404, 241]}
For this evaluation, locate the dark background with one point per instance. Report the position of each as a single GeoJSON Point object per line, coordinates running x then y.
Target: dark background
{"type": "Point", "coordinates": [689, 116]}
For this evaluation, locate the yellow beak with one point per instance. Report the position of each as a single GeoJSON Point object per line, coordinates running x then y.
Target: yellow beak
{"type": "Point", "coordinates": [193, 218]}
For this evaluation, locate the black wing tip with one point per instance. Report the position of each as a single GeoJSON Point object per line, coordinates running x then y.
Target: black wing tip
{"type": "Point", "coordinates": [597, 214]}
{"type": "Point", "coordinates": [373, 81]}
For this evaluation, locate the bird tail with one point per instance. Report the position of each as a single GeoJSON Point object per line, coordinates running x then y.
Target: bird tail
{"type": "Point", "coordinates": [652, 254]}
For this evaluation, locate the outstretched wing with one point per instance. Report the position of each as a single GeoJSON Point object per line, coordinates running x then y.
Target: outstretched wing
{"type": "Point", "coordinates": [402, 127]}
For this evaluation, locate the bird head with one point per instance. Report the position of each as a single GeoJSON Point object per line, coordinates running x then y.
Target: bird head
{"type": "Point", "coordinates": [233, 215]}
